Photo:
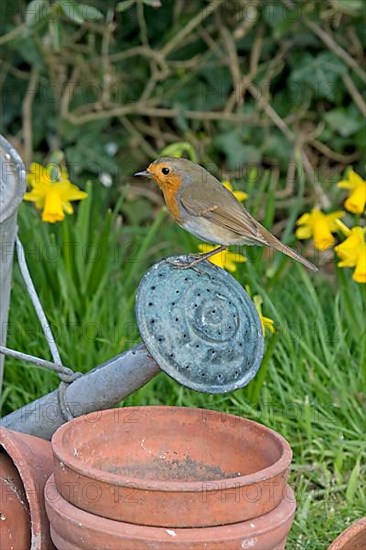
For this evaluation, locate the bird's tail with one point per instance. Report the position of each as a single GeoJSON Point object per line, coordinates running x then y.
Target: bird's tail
{"type": "Point", "coordinates": [273, 242]}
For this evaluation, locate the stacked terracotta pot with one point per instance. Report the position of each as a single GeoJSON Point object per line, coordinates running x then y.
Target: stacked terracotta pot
{"type": "Point", "coordinates": [25, 464]}
{"type": "Point", "coordinates": [168, 477]}
{"type": "Point", "coordinates": [352, 538]}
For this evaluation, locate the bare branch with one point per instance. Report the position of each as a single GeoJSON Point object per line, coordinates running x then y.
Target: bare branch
{"type": "Point", "coordinates": [355, 94]}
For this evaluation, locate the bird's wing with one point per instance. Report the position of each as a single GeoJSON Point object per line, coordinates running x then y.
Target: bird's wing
{"type": "Point", "coordinates": [217, 204]}
{"type": "Point", "coordinates": [213, 202]}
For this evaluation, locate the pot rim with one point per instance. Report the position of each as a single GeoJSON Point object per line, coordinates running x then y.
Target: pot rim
{"type": "Point", "coordinates": [260, 524]}
{"type": "Point", "coordinates": [348, 534]}
{"type": "Point", "coordinates": [277, 468]}
{"type": "Point", "coordinates": [11, 447]}
{"type": "Point", "coordinates": [13, 443]}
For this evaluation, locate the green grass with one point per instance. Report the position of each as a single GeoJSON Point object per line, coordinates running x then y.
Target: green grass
{"type": "Point", "coordinates": [310, 387]}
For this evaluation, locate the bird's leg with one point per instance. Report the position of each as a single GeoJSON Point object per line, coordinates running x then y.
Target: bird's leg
{"type": "Point", "coordinates": [199, 259]}
{"type": "Point", "coordinates": [207, 255]}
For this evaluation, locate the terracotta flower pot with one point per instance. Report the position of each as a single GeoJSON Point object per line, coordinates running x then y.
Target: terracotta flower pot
{"type": "Point", "coordinates": [72, 529]}
{"type": "Point", "coordinates": [170, 466]}
{"type": "Point", "coordinates": [15, 526]}
{"type": "Point", "coordinates": [353, 538]}
{"type": "Point", "coordinates": [25, 465]}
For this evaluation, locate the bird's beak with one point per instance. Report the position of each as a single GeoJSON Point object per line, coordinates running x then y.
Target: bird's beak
{"type": "Point", "coordinates": [144, 174]}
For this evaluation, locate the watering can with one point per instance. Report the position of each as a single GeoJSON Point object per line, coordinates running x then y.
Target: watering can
{"type": "Point", "coordinates": [198, 326]}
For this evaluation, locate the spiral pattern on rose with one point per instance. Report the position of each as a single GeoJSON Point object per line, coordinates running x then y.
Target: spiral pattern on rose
{"type": "Point", "coordinates": [200, 326]}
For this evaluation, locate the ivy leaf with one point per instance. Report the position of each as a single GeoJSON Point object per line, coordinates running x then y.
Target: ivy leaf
{"type": "Point", "coordinates": [236, 151]}
{"type": "Point", "coordinates": [230, 143]}
{"type": "Point", "coordinates": [37, 11]}
{"type": "Point", "coordinates": [276, 145]}
{"type": "Point", "coordinates": [88, 153]}
{"type": "Point", "coordinates": [281, 18]}
{"type": "Point", "coordinates": [320, 73]}
{"type": "Point", "coordinates": [345, 122]}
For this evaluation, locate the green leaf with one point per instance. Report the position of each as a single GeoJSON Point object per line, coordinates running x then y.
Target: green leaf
{"type": "Point", "coordinates": [56, 34]}
{"type": "Point", "coordinates": [345, 122]}
{"type": "Point", "coordinates": [353, 483]}
{"type": "Point", "coordinates": [82, 230]}
{"type": "Point", "coordinates": [351, 7]}
{"type": "Point", "coordinates": [178, 149]}
{"type": "Point", "coordinates": [27, 49]}
{"type": "Point", "coordinates": [360, 140]}
{"type": "Point", "coordinates": [71, 10]}
{"type": "Point", "coordinates": [88, 154]}
{"type": "Point", "coordinates": [276, 145]}
{"type": "Point", "coordinates": [152, 3]}
{"type": "Point", "coordinates": [37, 11]}
{"type": "Point", "coordinates": [99, 257]}
{"type": "Point", "coordinates": [281, 18]}
{"type": "Point", "coordinates": [250, 154]}
{"type": "Point", "coordinates": [320, 73]}
{"type": "Point", "coordinates": [90, 13]}
{"type": "Point", "coordinates": [238, 154]}
{"type": "Point", "coordinates": [125, 5]}
{"type": "Point", "coordinates": [231, 144]}
{"type": "Point", "coordinates": [274, 13]}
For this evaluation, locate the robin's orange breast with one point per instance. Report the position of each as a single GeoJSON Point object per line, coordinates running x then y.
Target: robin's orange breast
{"type": "Point", "coordinates": [170, 191]}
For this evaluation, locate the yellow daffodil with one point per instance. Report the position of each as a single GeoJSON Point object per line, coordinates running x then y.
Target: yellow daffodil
{"type": "Point", "coordinates": [239, 195]}
{"type": "Point", "coordinates": [52, 191]}
{"type": "Point", "coordinates": [320, 226]}
{"type": "Point", "coordinates": [352, 251]}
{"type": "Point", "coordinates": [267, 322]}
{"type": "Point", "coordinates": [224, 259]}
{"type": "Point", "coordinates": [357, 198]}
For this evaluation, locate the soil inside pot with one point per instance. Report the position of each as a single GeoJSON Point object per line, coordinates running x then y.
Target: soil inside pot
{"type": "Point", "coordinates": [166, 468]}
{"type": "Point", "coordinates": [197, 449]}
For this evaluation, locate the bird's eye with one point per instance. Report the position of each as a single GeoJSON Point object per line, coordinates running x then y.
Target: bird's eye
{"type": "Point", "coordinates": [165, 171]}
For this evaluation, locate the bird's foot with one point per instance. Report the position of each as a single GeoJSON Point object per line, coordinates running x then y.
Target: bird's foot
{"type": "Point", "coordinates": [197, 258]}
{"type": "Point", "coordinates": [187, 264]}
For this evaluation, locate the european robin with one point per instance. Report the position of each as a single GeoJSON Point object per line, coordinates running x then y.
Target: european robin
{"type": "Point", "coordinates": [203, 206]}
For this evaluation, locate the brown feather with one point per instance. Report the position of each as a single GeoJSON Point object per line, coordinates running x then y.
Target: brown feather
{"type": "Point", "coordinates": [226, 211]}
